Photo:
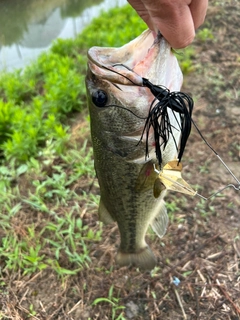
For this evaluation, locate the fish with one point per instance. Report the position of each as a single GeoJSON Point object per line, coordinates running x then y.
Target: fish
{"type": "Point", "coordinates": [119, 105]}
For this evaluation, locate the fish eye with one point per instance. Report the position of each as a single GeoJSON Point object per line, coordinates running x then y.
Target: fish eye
{"type": "Point", "coordinates": [100, 98]}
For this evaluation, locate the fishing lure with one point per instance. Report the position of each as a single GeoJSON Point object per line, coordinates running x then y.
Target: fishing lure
{"type": "Point", "coordinates": [170, 178]}
{"type": "Point", "coordinates": [158, 118]}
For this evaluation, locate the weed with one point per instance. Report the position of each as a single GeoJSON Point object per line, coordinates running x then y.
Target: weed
{"type": "Point", "coordinates": [185, 57]}
{"type": "Point", "coordinates": [204, 168]}
{"type": "Point", "coordinates": [204, 208]}
{"type": "Point", "coordinates": [121, 32]}
{"type": "Point", "coordinates": [32, 312]}
{"type": "Point", "coordinates": [20, 141]}
{"type": "Point", "coordinates": [45, 92]}
{"type": "Point", "coordinates": [16, 90]}
{"type": "Point", "coordinates": [187, 273]}
{"type": "Point", "coordinates": [155, 272]}
{"type": "Point", "coordinates": [65, 236]}
{"type": "Point", "coordinates": [80, 160]}
{"type": "Point", "coordinates": [69, 237]}
{"type": "Point", "coordinates": [204, 34]}
{"type": "Point", "coordinates": [63, 242]}
{"type": "Point", "coordinates": [18, 254]}
{"type": "Point", "coordinates": [172, 208]}
{"type": "Point", "coordinates": [114, 302]}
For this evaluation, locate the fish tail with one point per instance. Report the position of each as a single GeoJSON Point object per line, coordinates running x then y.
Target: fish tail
{"type": "Point", "coordinates": [143, 259]}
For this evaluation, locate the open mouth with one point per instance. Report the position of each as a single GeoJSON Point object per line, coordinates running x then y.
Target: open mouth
{"type": "Point", "coordinates": [126, 65]}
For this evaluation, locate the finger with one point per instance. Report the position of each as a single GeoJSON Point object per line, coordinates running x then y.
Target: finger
{"type": "Point", "coordinates": [198, 10]}
{"type": "Point", "coordinates": [174, 20]}
{"type": "Point", "coordinates": [141, 10]}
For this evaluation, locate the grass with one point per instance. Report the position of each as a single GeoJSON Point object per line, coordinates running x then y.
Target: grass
{"type": "Point", "coordinates": [43, 94]}
{"type": "Point", "coordinates": [65, 235]}
{"type": "Point", "coordinates": [114, 303]}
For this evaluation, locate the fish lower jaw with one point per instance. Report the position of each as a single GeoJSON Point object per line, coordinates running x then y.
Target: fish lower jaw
{"type": "Point", "coordinates": [144, 259]}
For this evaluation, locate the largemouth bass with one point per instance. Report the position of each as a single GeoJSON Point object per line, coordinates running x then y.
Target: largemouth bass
{"type": "Point", "coordinates": [119, 105]}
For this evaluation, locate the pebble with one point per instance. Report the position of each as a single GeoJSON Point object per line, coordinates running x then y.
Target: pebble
{"type": "Point", "coordinates": [131, 310]}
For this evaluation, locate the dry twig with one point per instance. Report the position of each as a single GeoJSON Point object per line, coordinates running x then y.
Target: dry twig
{"type": "Point", "coordinates": [220, 287]}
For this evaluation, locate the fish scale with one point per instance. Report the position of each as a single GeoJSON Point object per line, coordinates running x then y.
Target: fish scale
{"type": "Point", "coordinates": [118, 107]}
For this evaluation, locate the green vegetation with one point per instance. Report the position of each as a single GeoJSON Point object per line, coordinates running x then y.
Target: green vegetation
{"type": "Point", "coordinates": [114, 303]}
{"type": "Point", "coordinates": [63, 235]}
{"type": "Point", "coordinates": [45, 92]}
{"type": "Point", "coordinates": [185, 57]}
{"type": "Point", "coordinates": [205, 34]}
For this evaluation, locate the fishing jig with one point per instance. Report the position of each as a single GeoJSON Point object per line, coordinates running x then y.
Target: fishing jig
{"type": "Point", "coordinates": [158, 118]}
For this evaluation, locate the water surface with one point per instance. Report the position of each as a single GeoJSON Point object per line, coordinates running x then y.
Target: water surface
{"type": "Point", "coordinates": [28, 27]}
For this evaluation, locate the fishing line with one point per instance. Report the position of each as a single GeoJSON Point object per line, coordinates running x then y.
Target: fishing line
{"type": "Point", "coordinates": [217, 155]}
{"type": "Point", "coordinates": [122, 75]}
{"type": "Point", "coordinates": [237, 188]}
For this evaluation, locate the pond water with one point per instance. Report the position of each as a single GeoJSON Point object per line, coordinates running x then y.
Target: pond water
{"type": "Point", "coordinates": [28, 27]}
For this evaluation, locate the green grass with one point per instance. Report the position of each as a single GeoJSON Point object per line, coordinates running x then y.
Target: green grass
{"type": "Point", "coordinates": [205, 34]}
{"type": "Point", "coordinates": [60, 239]}
{"type": "Point", "coordinates": [114, 302]}
{"type": "Point", "coordinates": [43, 94]}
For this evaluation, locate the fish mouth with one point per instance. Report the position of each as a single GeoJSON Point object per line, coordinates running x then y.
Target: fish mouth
{"type": "Point", "coordinates": [126, 65]}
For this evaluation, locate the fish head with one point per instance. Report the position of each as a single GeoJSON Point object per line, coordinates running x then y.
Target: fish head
{"type": "Point", "coordinates": [118, 102]}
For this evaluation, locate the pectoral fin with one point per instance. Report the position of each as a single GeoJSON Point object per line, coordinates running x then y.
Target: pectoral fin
{"type": "Point", "coordinates": [146, 177]}
{"type": "Point", "coordinates": [104, 214]}
{"type": "Point", "coordinates": [160, 223]}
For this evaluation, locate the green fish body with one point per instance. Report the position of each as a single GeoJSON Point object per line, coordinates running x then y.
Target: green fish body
{"type": "Point", "coordinates": [118, 107]}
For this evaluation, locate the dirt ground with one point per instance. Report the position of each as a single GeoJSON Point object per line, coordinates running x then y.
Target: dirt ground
{"type": "Point", "coordinates": [202, 244]}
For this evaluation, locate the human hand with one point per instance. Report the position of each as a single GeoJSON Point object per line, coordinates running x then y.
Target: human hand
{"type": "Point", "coordinates": [177, 20]}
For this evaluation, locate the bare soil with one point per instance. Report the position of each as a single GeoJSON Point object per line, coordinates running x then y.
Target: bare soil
{"type": "Point", "coordinates": [202, 244]}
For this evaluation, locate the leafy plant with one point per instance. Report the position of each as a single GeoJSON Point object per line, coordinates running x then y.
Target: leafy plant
{"type": "Point", "coordinates": [114, 302]}
{"type": "Point", "coordinates": [204, 34]}
{"type": "Point", "coordinates": [204, 208]}
{"type": "Point", "coordinates": [185, 57]}
{"type": "Point", "coordinates": [18, 254]}
{"type": "Point", "coordinates": [35, 101]}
